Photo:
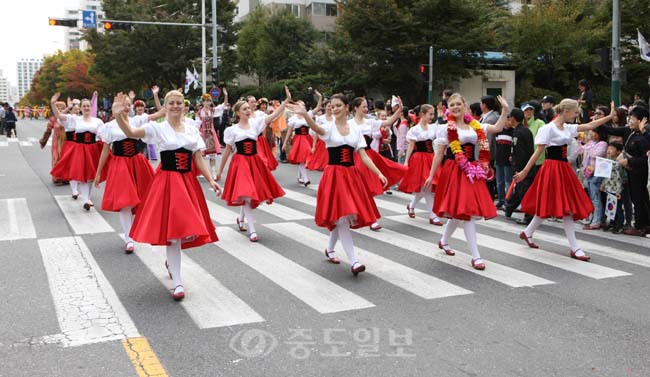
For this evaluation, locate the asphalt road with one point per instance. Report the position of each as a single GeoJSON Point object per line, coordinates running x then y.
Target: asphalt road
{"type": "Point", "coordinates": [70, 296]}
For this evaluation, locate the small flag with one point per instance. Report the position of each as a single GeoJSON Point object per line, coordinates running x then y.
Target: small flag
{"type": "Point", "coordinates": [512, 187]}
{"type": "Point", "coordinates": [644, 46]}
{"type": "Point", "coordinates": [196, 78]}
{"type": "Point", "coordinates": [188, 79]}
{"type": "Point", "coordinates": [610, 206]}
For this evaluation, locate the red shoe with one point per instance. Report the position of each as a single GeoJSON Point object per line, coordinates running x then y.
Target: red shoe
{"type": "Point", "coordinates": [584, 258]}
{"type": "Point", "coordinates": [410, 211]}
{"type": "Point", "coordinates": [435, 222]}
{"type": "Point", "coordinates": [478, 265]}
{"type": "Point", "coordinates": [591, 227]}
{"type": "Point", "coordinates": [446, 249]}
{"type": "Point", "coordinates": [358, 267]}
{"type": "Point", "coordinates": [531, 244]}
{"type": "Point", "coordinates": [128, 249]}
{"type": "Point", "coordinates": [375, 227]}
{"type": "Point", "coordinates": [633, 232]}
{"type": "Point", "coordinates": [177, 296]}
{"type": "Point", "coordinates": [253, 237]}
{"type": "Point", "coordinates": [241, 226]}
{"type": "Point", "coordinates": [330, 258]}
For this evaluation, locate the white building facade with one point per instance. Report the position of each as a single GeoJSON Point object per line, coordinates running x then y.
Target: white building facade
{"type": "Point", "coordinates": [5, 88]}
{"type": "Point", "coordinates": [26, 69]}
{"type": "Point", "coordinates": [72, 36]}
{"type": "Point", "coordinates": [322, 13]}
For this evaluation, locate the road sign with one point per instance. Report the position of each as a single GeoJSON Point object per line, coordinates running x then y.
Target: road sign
{"type": "Point", "coordinates": [215, 92]}
{"type": "Point", "coordinates": [89, 19]}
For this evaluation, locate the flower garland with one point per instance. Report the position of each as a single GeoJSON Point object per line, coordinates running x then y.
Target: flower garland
{"type": "Point", "coordinates": [475, 170]}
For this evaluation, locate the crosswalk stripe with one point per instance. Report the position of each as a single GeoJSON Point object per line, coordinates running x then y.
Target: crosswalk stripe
{"type": "Point", "coordinates": [503, 274]}
{"type": "Point", "coordinates": [16, 220]}
{"type": "Point", "coordinates": [630, 240]}
{"type": "Point", "coordinates": [4, 144]}
{"type": "Point", "coordinates": [590, 247]}
{"type": "Point", "coordinates": [311, 288]}
{"type": "Point", "coordinates": [284, 212]}
{"type": "Point", "coordinates": [12, 140]}
{"type": "Point", "coordinates": [416, 282]}
{"type": "Point", "coordinates": [382, 204]}
{"type": "Point", "coordinates": [87, 307]}
{"type": "Point", "coordinates": [32, 140]}
{"type": "Point", "coordinates": [522, 251]}
{"type": "Point", "coordinates": [209, 303]}
{"type": "Point", "coordinates": [221, 214]}
{"type": "Point", "coordinates": [81, 221]}
{"type": "Point", "coordinates": [26, 144]}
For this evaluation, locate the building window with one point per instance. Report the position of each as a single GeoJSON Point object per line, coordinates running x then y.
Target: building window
{"type": "Point", "coordinates": [294, 9]}
{"type": "Point", "coordinates": [494, 92]}
{"type": "Point", "coordinates": [331, 10]}
{"type": "Point", "coordinates": [319, 9]}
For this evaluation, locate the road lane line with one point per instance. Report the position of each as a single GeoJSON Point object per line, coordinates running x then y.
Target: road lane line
{"type": "Point", "coordinates": [143, 358]}
{"type": "Point", "coordinates": [314, 290]}
{"type": "Point", "coordinates": [381, 204]}
{"type": "Point", "coordinates": [87, 307]}
{"type": "Point", "coordinates": [411, 280]}
{"type": "Point", "coordinates": [82, 221]}
{"type": "Point", "coordinates": [15, 220]}
{"type": "Point", "coordinates": [521, 250]}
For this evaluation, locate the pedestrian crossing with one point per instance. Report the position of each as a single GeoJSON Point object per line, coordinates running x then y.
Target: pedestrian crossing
{"type": "Point", "coordinates": [214, 303]}
{"type": "Point", "coordinates": [23, 142]}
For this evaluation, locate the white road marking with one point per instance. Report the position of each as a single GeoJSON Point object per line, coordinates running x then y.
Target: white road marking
{"type": "Point", "coordinates": [15, 220]}
{"type": "Point", "coordinates": [82, 221]}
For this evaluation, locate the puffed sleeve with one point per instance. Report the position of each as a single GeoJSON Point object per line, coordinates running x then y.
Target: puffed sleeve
{"type": "Point", "coordinates": [376, 128]}
{"type": "Point", "coordinates": [573, 129]}
{"type": "Point", "coordinates": [200, 144]}
{"type": "Point", "coordinates": [361, 142]}
{"type": "Point", "coordinates": [152, 133]}
{"type": "Point", "coordinates": [543, 136]}
{"type": "Point", "coordinates": [139, 120]}
{"type": "Point", "coordinates": [229, 136]}
{"type": "Point", "coordinates": [291, 123]}
{"type": "Point", "coordinates": [327, 127]}
{"type": "Point", "coordinates": [259, 124]}
{"type": "Point", "coordinates": [412, 134]}
{"type": "Point", "coordinates": [441, 134]}
{"type": "Point", "coordinates": [104, 133]}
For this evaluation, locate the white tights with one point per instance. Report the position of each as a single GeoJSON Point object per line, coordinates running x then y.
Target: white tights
{"type": "Point", "coordinates": [174, 261]}
{"type": "Point", "coordinates": [84, 189]}
{"type": "Point", "coordinates": [428, 198]}
{"type": "Point", "coordinates": [74, 186]}
{"type": "Point", "coordinates": [302, 172]}
{"type": "Point", "coordinates": [342, 232]}
{"type": "Point", "coordinates": [569, 230]}
{"type": "Point", "coordinates": [470, 234]}
{"type": "Point", "coordinates": [246, 212]}
{"type": "Point", "coordinates": [126, 219]}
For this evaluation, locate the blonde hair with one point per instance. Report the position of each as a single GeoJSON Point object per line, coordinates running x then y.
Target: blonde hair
{"type": "Point", "coordinates": [238, 105]}
{"type": "Point", "coordinates": [174, 93]}
{"type": "Point", "coordinates": [566, 104]}
{"type": "Point", "coordinates": [426, 108]}
{"type": "Point", "coordinates": [456, 95]}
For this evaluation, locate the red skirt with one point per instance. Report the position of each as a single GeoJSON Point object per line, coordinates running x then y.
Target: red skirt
{"type": "Point", "coordinates": [418, 172]}
{"type": "Point", "coordinates": [342, 192]}
{"type": "Point", "coordinates": [390, 169]}
{"type": "Point", "coordinates": [79, 164]}
{"type": "Point", "coordinates": [458, 198]}
{"type": "Point", "coordinates": [556, 192]}
{"type": "Point", "coordinates": [127, 183]}
{"type": "Point", "coordinates": [174, 208]}
{"type": "Point", "coordinates": [265, 153]}
{"type": "Point", "coordinates": [249, 177]}
{"type": "Point", "coordinates": [300, 149]}
{"type": "Point", "coordinates": [320, 158]}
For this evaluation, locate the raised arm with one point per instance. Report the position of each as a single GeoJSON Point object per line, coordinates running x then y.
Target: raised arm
{"type": "Point", "coordinates": [498, 126]}
{"type": "Point", "coordinates": [155, 90]}
{"type": "Point", "coordinates": [598, 122]}
{"type": "Point", "coordinates": [280, 109]}
{"type": "Point", "coordinates": [121, 117]}
{"type": "Point", "coordinates": [390, 121]}
{"type": "Point", "coordinates": [55, 110]}
{"type": "Point", "coordinates": [297, 109]}
{"type": "Point", "coordinates": [319, 104]}
{"type": "Point", "coordinates": [225, 95]}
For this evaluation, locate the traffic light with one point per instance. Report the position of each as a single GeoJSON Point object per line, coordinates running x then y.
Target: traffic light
{"type": "Point", "coordinates": [67, 22]}
{"type": "Point", "coordinates": [422, 68]}
{"type": "Point", "coordinates": [110, 25]}
{"type": "Point", "coordinates": [423, 72]}
{"type": "Point", "coordinates": [215, 76]}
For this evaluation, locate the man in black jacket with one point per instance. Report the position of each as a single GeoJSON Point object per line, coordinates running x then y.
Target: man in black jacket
{"type": "Point", "coordinates": [523, 147]}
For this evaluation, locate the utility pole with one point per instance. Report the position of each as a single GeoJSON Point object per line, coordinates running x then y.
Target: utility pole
{"type": "Point", "coordinates": [215, 65]}
{"type": "Point", "coordinates": [203, 57]}
{"type": "Point", "coordinates": [616, 52]}
{"type": "Point", "coordinates": [430, 94]}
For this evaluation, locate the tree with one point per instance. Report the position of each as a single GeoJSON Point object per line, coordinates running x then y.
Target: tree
{"type": "Point", "coordinates": [275, 47]}
{"type": "Point", "coordinates": [158, 54]}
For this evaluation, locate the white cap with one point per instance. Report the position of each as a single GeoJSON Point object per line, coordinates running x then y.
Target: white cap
{"type": "Point", "coordinates": [394, 101]}
{"type": "Point", "coordinates": [527, 106]}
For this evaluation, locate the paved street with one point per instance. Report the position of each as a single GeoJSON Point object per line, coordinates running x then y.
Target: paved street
{"type": "Point", "coordinates": [73, 304]}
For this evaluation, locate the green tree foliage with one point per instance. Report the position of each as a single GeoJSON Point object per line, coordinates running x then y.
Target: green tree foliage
{"type": "Point", "coordinates": [153, 54]}
{"type": "Point", "coordinates": [634, 15]}
{"type": "Point", "coordinates": [65, 72]}
{"type": "Point", "coordinates": [275, 47]}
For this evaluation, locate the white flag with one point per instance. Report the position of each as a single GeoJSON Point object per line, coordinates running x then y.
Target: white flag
{"type": "Point", "coordinates": [196, 78]}
{"type": "Point", "coordinates": [644, 46]}
{"type": "Point", "coordinates": [188, 79]}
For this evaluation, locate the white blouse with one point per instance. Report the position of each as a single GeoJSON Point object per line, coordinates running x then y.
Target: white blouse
{"type": "Point", "coordinates": [163, 135]}
{"type": "Point", "coordinates": [296, 122]}
{"type": "Point", "coordinates": [550, 135]}
{"type": "Point", "coordinates": [235, 133]}
{"type": "Point", "coordinates": [417, 133]}
{"type": "Point", "coordinates": [464, 135]}
{"type": "Point", "coordinates": [112, 132]}
{"type": "Point", "coordinates": [80, 125]}
{"type": "Point", "coordinates": [369, 127]}
{"type": "Point", "coordinates": [333, 138]}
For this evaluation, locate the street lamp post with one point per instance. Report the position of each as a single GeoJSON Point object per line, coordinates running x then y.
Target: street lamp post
{"type": "Point", "coordinates": [215, 66]}
{"type": "Point", "coordinates": [616, 53]}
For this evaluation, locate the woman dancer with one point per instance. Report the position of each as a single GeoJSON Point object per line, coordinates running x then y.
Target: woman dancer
{"type": "Point", "coordinates": [300, 144]}
{"type": "Point", "coordinates": [56, 130]}
{"type": "Point", "coordinates": [174, 212]}
{"type": "Point", "coordinates": [556, 191]}
{"type": "Point", "coordinates": [80, 164]}
{"type": "Point", "coordinates": [208, 132]}
{"type": "Point", "coordinates": [249, 181]}
{"type": "Point", "coordinates": [319, 158]}
{"type": "Point", "coordinates": [265, 152]}
{"type": "Point", "coordinates": [129, 173]}
{"type": "Point", "coordinates": [342, 201]}
{"type": "Point", "coordinates": [419, 158]}
{"type": "Point", "coordinates": [462, 193]}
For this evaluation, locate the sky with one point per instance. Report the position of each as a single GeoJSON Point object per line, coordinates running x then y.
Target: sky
{"type": "Point", "coordinates": [26, 33]}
